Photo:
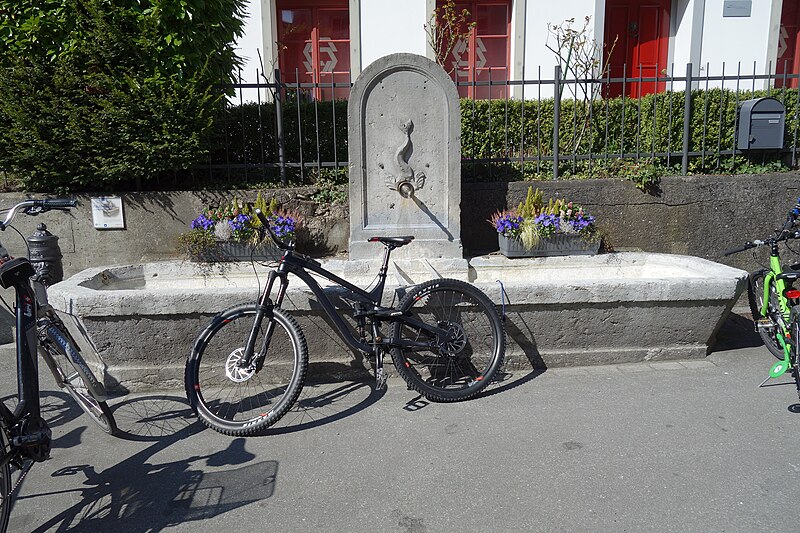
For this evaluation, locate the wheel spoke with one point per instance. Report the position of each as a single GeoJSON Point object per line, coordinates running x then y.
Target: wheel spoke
{"type": "Point", "coordinates": [234, 400]}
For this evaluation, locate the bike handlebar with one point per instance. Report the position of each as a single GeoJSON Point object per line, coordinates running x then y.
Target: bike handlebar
{"type": "Point", "coordinates": [265, 223]}
{"type": "Point", "coordinates": [34, 207]}
{"type": "Point", "coordinates": [58, 203]}
{"type": "Point", "coordinates": [782, 234]}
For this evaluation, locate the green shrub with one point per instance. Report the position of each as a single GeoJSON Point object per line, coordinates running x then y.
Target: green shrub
{"type": "Point", "coordinates": [500, 129]}
{"type": "Point", "coordinates": [94, 92]}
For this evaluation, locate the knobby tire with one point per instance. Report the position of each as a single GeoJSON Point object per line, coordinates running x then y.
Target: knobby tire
{"type": "Point", "coordinates": [467, 366]}
{"type": "Point", "coordinates": [253, 403]}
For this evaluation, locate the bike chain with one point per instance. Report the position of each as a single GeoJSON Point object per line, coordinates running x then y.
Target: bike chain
{"type": "Point", "coordinates": [24, 472]}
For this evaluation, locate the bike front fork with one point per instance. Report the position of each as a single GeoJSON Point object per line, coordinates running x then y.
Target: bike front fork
{"type": "Point", "coordinates": [251, 360]}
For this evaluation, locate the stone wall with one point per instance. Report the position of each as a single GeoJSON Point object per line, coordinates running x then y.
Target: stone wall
{"type": "Point", "coordinates": [695, 215]}
{"type": "Point", "coordinates": [691, 215]}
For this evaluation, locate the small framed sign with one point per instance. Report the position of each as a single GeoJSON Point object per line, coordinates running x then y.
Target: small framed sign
{"type": "Point", "coordinates": [737, 8]}
{"type": "Point", "coordinates": [107, 212]}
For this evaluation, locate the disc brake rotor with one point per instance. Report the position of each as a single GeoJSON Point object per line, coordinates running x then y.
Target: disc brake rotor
{"type": "Point", "coordinates": [236, 373]}
{"type": "Point", "coordinates": [459, 338]}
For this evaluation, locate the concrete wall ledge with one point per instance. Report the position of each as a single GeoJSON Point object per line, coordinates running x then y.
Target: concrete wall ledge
{"type": "Point", "coordinates": [573, 310]}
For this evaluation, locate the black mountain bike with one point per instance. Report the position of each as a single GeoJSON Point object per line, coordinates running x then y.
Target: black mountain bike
{"type": "Point", "coordinates": [24, 435]}
{"type": "Point", "coordinates": [248, 366]}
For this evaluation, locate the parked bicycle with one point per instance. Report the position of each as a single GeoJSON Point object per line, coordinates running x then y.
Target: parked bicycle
{"type": "Point", "coordinates": [773, 300]}
{"type": "Point", "coordinates": [248, 366]}
{"type": "Point", "coordinates": [24, 434]}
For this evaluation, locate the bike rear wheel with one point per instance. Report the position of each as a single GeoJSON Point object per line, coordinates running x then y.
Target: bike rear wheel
{"type": "Point", "coordinates": [467, 364]}
{"type": "Point", "coordinates": [73, 374]}
{"type": "Point", "coordinates": [755, 296]}
{"type": "Point", "coordinates": [234, 400]}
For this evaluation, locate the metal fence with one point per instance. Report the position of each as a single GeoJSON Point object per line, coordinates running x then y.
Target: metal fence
{"type": "Point", "coordinates": [298, 131]}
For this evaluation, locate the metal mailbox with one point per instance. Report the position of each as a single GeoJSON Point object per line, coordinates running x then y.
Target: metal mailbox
{"type": "Point", "coordinates": [761, 124]}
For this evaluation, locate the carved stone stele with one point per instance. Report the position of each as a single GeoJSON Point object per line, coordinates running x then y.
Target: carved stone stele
{"type": "Point", "coordinates": [405, 158]}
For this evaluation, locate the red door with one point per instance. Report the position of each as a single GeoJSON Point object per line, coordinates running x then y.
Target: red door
{"type": "Point", "coordinates": [484, 57]}
{"type": "Point", "coordinates": [637, 36]}
{"type": "Point", "coordinates": [788, 51]}
{"type": "Point", "coordinates": [314, 45]}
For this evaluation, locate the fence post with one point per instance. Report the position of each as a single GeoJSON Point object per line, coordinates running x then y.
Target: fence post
{"type": "Point", "coordinates": [279, 120]}
{"type": "Point", "coordinates": [687, 119]}
{"type": "Point", "coordinates": [556, 117]}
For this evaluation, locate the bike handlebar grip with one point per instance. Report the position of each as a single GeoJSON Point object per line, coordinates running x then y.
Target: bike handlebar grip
{"type": "Point", "coordinates": [265, 223]}
{"type": "Point", "coordinates": [59, 203]}
{"type": "Point", "coordinates": [262, 218]}
{"type": "Point", "coordinates": [736, 250]}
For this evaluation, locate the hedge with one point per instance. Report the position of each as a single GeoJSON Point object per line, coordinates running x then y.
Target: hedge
{"type": "Point", "coordinates": [501, 129]}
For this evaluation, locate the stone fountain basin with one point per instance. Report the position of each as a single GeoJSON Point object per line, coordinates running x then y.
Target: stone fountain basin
{"type": "Point", "coordinates": [573, 310]}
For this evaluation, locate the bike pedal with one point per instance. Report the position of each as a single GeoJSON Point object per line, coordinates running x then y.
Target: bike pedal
{"type": "Point", "coordinates": [764, 323]}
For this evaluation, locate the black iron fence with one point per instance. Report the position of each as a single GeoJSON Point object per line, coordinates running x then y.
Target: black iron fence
{"type": "Point", "coordinates": [296, 132]}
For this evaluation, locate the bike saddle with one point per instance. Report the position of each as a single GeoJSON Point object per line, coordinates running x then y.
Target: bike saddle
{"type": "Point", "coordinates": [393, 241]}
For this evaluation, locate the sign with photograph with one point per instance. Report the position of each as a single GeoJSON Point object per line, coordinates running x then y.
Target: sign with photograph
{"type": "Point", "coordinates": [107, 212]}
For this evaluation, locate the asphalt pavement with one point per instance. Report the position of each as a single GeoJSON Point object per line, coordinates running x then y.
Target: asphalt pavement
{"type": "Point", "coordinates": [660, 446]}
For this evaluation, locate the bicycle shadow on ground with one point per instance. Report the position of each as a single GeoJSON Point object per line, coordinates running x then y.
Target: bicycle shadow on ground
{"type": "Point", "coordinates": [154, 416]}
{"type": "Point", "coordinates": [332, 392]}
{"type": "Point", "coordinates": [57, 407]}
{"type": "Point", "coordinates": [737, 331]}
{"type": "Point", "coordinates": [518, 370]}
{"type": "Point", "coordinates": [141, 496]}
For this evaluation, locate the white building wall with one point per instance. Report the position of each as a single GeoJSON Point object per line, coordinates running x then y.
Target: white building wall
{"type": "Point", "coordinates": [699, 34]}
{"type": "Point", "coordinates": [391, 26]}
{"type": "Point", "coordinates": [249, 44]}
{"type": "Point", "coordinates": [248, 48]}
{"type": "Point", "coordinates": [735, 40]}
{"type": "Point", "coordinates": [683, 48]}
{"type": "Point", "coordinates": [537, 18]}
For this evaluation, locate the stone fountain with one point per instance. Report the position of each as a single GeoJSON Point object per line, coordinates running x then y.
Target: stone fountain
{"type": "Point", "coordinates": [405, 172]}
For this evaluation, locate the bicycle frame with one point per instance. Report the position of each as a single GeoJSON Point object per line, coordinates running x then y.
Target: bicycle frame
{"type": "Point", "coordinates": [299, 265]}
{"type": "Point", "coordinates": [16, 273]}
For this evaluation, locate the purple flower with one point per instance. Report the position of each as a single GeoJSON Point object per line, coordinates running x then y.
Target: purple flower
{"type": "Point", "coordinates": [581, 222]}
{"type": "Point", "coordinates": [202, 222]}
{"type": "Point", "coordinates": [283, 225]}
{"type": "Point", "coordinates": [239, 222]}
{"type": "Point", "coordinates": [508, 224]}
{"type": "Point", "coordinates": [548, 221]}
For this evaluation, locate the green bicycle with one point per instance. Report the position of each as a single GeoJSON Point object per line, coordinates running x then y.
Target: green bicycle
{"type": "Point", "coordinates": [772, 299]}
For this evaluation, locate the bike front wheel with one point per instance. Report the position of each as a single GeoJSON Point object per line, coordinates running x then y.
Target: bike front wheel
{"type": "Point", "coordinates": [755, 296]}
{"type": "Point", "coordinates": [464, 366]}
{"type": "Point", "coordinates": [233, 399]}
{"type": "Point", "coordinates": [73, 374]}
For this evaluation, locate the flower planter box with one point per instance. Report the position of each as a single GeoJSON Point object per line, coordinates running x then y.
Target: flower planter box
{"type": "Point", "coordinates": [561, 244]}
{"type": "Point", "coordinates": [227, 251]}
